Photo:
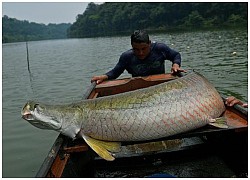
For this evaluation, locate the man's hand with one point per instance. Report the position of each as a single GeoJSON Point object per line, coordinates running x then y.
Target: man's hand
{"type": "Point", "coordinates": [231, 100]}
{"type": "Point", "coordinates": [176, 68]}
{"type": "Point", "coordinates": [99, 79]}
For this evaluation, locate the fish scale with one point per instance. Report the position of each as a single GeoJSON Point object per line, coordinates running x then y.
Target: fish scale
{"type": "Point", "coordinates": [188, 93]}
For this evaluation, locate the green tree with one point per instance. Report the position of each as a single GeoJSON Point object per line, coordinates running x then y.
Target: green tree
{"type": "Point", "coordinates": [235, 20]}
{"type": "Point", "coordinates": [114, 18]}
{"type": "Point", "coordinates": [15, 30]}
{"type": "Point", "coordinates": [194, 20]}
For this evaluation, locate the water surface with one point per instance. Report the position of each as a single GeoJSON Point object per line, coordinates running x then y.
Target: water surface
{"type": "Point", "coordinates": [61, 72]}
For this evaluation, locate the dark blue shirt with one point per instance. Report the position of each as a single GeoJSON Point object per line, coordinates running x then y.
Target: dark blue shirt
{"type": "Point", "coordinates": [152, 64]}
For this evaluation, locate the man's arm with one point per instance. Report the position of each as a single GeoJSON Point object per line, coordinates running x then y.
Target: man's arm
{"type": "Point", "coordinates": [113, 74]}
{"type": "Point", "coordinates": [173, 56]}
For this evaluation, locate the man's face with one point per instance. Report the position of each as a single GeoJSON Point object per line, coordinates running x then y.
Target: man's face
{"type": "Point", "coordinates": [141, 50]}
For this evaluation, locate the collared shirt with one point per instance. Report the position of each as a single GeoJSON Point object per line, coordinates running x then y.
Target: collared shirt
{"type": "Point", "coordinates": [152, 64]}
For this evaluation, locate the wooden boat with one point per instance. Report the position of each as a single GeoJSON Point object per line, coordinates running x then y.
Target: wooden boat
{"type": "Point", "coordinates": [205, 152]}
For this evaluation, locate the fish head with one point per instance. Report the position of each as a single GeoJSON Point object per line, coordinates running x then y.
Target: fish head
{"type": "Point", "coordinates": [39, 116]}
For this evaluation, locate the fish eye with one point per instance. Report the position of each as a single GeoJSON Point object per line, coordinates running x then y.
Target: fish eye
{"type": "Point", "coordinates": [35, 106]}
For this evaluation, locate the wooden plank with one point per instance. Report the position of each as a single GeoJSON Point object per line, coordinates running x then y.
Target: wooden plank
{"type": "Point", "coordinates": [77, 148]}
{"type": "Point", "coordinates": [234, 120]}
{"type": "Point", "coordinates": [58, 166]}
{"type": "Point", "coordinates": [89, 90]}
{"type": "Point", "coordinates": [112, 87]}
{"type": "Point", "coordinates": [48, 161]}
{"type": "Point", "coordinates": [158, 147]}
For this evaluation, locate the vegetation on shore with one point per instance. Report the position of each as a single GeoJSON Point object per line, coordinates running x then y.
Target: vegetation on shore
{"type": "Point", "coordinates": [113, 18]}
{"type": "Point", "coordinates": [119, 18]}
{"type": "Point", "coordinates": [17, 31]}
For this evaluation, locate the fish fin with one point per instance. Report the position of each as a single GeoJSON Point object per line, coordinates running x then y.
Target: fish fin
{"type": "Point", "coordinates": [102, 148]}
{"type": "Point", "coordinates": [111, 146]}
{"type": "Point", "coordinates": [220, 122]}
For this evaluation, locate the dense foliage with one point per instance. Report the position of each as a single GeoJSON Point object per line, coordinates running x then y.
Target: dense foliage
{"type": "Point", "coordinates": [118, 18]}
{"type": "Point", "coordinates": [15, 30]}
{"type": "Point", "coordinates": [114, 18]}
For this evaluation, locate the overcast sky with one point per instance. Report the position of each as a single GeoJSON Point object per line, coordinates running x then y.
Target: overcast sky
{"type": "Point", "coordinates": [44, 12]}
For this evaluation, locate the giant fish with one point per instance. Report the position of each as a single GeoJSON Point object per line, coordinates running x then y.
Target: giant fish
{"type": "Point", "coordinates": [163, 110]}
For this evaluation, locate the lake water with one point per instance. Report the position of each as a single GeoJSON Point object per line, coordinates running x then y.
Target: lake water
{"type": "Point", "coordinates": [61, 72]}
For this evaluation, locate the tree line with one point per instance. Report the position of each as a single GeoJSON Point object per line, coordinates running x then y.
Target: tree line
{"type": "Point", "coordinates": [14, 30]}
{"type": "Point", "coordinates": [113, 18]}
{"type": "Point", "coordinates": [118, 18]}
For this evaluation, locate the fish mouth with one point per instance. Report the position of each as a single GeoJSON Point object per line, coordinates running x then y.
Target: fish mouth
{"type": "Point", "coordinates": [27, 116]}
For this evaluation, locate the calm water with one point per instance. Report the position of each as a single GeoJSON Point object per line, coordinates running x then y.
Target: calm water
{"type": "Point", "coordinates": [61, 72]}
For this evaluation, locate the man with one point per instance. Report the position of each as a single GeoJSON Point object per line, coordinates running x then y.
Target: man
{"type": "Point", "coordinates": [145, 58]}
